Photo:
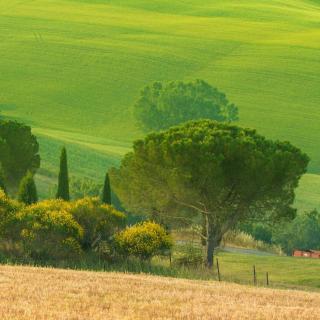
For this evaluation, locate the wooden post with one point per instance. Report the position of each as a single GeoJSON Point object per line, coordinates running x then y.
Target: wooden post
{"type": "Point", "coordinates": [267, 278]}
{"type": "Point", "coordinates": [254, 276]}
{"type": "Point", "coordinates": [218, 270]}
{"type": "Point", "coordinates": [170, 259]}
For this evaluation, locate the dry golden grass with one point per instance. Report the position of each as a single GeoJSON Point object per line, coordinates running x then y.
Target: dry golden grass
{"type": "Point", "coordinates": [31, 293]}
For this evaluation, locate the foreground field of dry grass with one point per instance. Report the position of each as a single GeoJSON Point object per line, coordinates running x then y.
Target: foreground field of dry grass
{"type": "Point", "coordinates": [31, 293]}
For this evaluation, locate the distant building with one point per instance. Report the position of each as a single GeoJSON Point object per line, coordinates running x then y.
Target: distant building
{"type": "Point", "coordinates": [307, 254]}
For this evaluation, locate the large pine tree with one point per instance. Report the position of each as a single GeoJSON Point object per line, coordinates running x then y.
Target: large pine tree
{"type": "Point", "coordinates": [106, 192]}
{"type": "Point", "coordinates": [27, 190]}
{"type": "Point", "coordinates": [63, 182]}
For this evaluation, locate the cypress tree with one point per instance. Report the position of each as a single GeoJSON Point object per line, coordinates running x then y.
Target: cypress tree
{"type": "Point", "coordinates": [106, 192]}
{"type": "Point", "coordinates": [27, 190]}
{"type": "Point", "coordinates": [2, 183]}
{"type": "Point", "coordinates": [63, 182]}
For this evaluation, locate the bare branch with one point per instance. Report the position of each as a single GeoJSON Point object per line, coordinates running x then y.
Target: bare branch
{"type": "Point", "coordinates": [191, 206]}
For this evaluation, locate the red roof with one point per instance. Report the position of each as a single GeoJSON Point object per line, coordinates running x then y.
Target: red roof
{"type": "Point", "coordinates": [309, 250]}
{"type": "Point", "coordinates": [306, 253]}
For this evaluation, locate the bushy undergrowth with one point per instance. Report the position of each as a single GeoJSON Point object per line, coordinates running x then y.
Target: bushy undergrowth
{"type": "Point", "coordinates": [243, 240]}
{"type": "Point", "coordinates": [55, 229]}
{"type": "Point", "coordinates": [99, 221]}
{"type": "Point", "coordinates": [188, 255]}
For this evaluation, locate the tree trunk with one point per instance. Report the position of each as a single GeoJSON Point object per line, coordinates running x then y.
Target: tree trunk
{"type": "Point", "coordinates": [210, 251]}
{"type": "Point", "coordinates": [204, 231]}
{"type": "Point", "coordinates": [213, 240]}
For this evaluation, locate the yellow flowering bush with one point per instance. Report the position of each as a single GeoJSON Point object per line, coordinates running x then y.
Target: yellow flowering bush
{"type": "Point", "coordinates": [48, 231]}
{"type": "Point", "coordinates": [143, 240]}
{"type": "Point", "coordinates": [99, 221]}
{"type": "Point", "coordinates": [51, 205]}
{"type": "Point", "coordinates": [56, 229]}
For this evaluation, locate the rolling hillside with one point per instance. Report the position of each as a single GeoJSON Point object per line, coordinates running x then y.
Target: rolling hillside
{"type": "Point", "coordinates": [73, 69]}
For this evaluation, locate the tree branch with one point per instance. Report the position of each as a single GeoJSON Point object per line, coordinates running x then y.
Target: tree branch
{"type": "Point", "coordinates": [191, 206]}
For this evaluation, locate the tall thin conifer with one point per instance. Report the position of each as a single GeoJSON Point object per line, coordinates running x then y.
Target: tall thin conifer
{"type": "Point", "coordinates": [63, 180]}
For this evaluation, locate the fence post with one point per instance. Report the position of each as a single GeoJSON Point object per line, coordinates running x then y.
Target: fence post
{"type": "Point", "coordinates": [218, 269]}
{"type": "Point", "coordinates": [254, 275]}
{"type": "Point", "coordinates": [267, 276]}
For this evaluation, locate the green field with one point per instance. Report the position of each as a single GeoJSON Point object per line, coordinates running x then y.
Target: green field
{"type": "Point", "coordinates": [287, 272]}
{"type": "Point", "coordinates": [284, 272]}
{"type": "Point", "coordinates": [73, 69]}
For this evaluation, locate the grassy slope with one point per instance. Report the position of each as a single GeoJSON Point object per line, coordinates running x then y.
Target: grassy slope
{"type": "Point", "coordinates": [89, 295]}
{"type": "Point", "coordinates": [72, 69]}
{"type": "Point", "coordinates": [285, 272]}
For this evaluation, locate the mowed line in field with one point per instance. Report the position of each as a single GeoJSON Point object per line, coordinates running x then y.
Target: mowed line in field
{"type": "Point", "coordinates": [105, 146]}
{"type": "Point", "coordinates": [31, 293]}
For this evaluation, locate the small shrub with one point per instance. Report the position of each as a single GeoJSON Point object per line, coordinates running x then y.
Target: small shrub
{"type": "Point", "coordinates": [143, 240]}
{"type": "Point", "coordinates": [99, 221]}
{"type": "Point", "coordinates": [28, 190]}
{"type": "Point", "coordinates": [81, 188]}
{"type": "Point", "coordinates": [188, 255]}
{"type": "Point", "coordinates": [48, 231]}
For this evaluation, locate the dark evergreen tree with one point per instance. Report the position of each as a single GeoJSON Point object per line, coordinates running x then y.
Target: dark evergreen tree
{"type": "Point", "coordinates": [2, 182]}
{"type": "Point", "coordinates": [63, 182]}
{"type": "Point", "coordinates": [27, 190]}
{"type": "Point", "coordinates": [19, 153]}
{"type": "Point", "coordinates": [106, 192]}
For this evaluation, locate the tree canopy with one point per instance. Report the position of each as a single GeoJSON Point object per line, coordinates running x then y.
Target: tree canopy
{"type": "Point", "coordinates": [19, 152]}
{"type": "Point", "coordinates": [217, 173]}
{"type": "Point", "coordinates": [162, 105]}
